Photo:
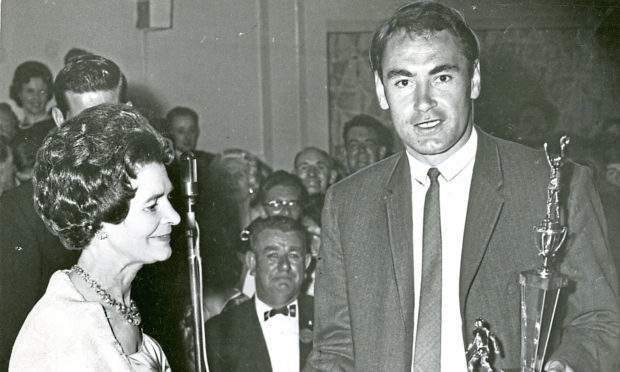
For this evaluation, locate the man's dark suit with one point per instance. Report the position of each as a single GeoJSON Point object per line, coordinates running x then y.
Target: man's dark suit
{"type": "Point", "coordinates": [365, 294]}
{"type": "Point", "coordinates": [235, 339]}
{"type": "Point", "coordinates": [29, 255]}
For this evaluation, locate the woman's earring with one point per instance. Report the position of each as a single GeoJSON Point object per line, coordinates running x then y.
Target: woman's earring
{"type": "Point", "coordinates": [101, 235]}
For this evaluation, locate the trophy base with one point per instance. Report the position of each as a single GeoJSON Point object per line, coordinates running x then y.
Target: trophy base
{"type": "Point", "coordinates": [517, 370]}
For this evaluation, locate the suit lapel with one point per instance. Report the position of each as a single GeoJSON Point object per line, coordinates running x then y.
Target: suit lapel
{"type": "Point", "coordinates": [399, 221]}
{"type": "Point", "coordinates": [484, 207]}
{"type": "Point", "coordinates": [306, 317]}
{"type": "Point", "coordinates": [255, 351]}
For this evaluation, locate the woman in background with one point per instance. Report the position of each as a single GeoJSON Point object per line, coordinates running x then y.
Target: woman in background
{"type": "Point", "coordinates": [101, 186]}
{"type": "Point", "coordinates": [32, 89]}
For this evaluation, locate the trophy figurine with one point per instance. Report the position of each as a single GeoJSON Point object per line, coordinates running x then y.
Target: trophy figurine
{"type": "Point", "coordinates": [540, 288]}
{"type": "Point", "coordinates": [481, 350]}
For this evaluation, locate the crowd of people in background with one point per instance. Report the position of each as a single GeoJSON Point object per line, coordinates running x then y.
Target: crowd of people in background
{"type": "Point", "coordinates": [239, 195]}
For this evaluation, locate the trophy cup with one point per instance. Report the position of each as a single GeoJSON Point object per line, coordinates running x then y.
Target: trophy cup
{"type": "Point", "coordinates": [540, 288]}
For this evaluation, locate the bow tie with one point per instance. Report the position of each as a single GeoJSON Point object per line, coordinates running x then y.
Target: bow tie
{"type": "Point", "coordinates": [290, 310]}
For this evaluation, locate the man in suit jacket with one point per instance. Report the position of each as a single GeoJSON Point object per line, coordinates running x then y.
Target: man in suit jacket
{"type": "Point", "coordinates": [273, 331]}
{"type": "Point", "coordinates": [29, 253]}
{"type": "Point", "coordinates": [370, 290]}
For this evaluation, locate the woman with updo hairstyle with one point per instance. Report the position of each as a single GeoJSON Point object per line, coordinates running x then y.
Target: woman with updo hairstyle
{"type": "Point", "coordinates": [101, 186]}
{"type": "Point", "coordinates": [32, 89]}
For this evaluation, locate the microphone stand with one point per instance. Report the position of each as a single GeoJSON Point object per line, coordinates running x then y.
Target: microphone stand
{"type": "Point", "coordinates": [192, 235]}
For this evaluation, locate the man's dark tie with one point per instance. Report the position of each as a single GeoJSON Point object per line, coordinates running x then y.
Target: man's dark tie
{"type": "Point", "coordinates": [290, 310]}
{"type": "Point", "coordinates": [428, 337]}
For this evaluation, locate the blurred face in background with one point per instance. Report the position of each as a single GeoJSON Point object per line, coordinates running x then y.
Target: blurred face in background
{"type": "Point", "coordinates": [184, 132]}
{"type": "Point", "coordinates": [239, 173]}
{"type": "Point", "coordinates": [281, 200]}
{"type": "Point", "coordinates": [362, 148]}
{"type": "Point", "coordinates": [34, 96]}
{"type": "Point", "coordinates": [315, 171]}
{"type": "Point", "coordinates": [613, 174]}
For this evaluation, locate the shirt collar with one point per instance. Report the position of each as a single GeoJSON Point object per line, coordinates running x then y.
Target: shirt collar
{"type": "Point", "coordinates": [261, 307]}
{"type": "Point", "coordinates": [450, 167]}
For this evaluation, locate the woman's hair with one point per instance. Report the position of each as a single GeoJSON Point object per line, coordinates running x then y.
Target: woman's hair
{"type": "Point", "coordinates": [27, 71]}
{"type": "Point", "coordinates": [83, 171]}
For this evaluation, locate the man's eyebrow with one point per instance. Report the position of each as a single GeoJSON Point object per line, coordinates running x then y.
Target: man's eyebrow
{"type": "Point", "coordinates": [437, 69]}
{"type": "Point", "coordinates": [444, 68]}
{"type": "Point", "coordinates": [399, 72]}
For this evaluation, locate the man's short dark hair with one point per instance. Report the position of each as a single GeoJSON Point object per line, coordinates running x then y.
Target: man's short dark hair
{"type": "Point", "coordinates": [27, 71]}
{"type": "Point", "coordinates": [88, 73]}
{"type": "Point", "coordinates": [282, 223]}
{"type": "Point", "coordinates": [383, 134]}
{"type": "Point", "coordinates": [73, 53]}
{"type": "Point", "coordinates": [283, 178]}
{"type": "Point", "coordinates": [179, 111]}
{"type": "Point", "coordinates": [419, 18]}
{"type": "Point", "coordinates": [83, 171]}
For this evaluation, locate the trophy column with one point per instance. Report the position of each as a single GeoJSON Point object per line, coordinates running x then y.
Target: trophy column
{"type": "Point", "coordinates": [539, 299]}
{"type": "Point", "coordinates": [540, 288]}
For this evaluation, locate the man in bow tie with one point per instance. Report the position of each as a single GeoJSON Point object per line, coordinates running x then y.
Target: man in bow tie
{"type": "Point", "coordinates": [273, 332]}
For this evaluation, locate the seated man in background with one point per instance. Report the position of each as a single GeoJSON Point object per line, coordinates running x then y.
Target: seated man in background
{"type": "Point", "coordinates": [273, 331]}
{"type": "Point", "coordinates": [365, 142]}
{"type": "Point", "coordinates": [29, 253]}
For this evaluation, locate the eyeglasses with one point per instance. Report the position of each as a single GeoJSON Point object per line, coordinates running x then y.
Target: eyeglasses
{"type": "Point", "coordinates": [277, 205]}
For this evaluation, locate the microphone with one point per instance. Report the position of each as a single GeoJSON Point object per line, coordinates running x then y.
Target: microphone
{"type": "Point", "coordinates": [189, 181]}
{"type": "Point", "coordinates": [189, 190]}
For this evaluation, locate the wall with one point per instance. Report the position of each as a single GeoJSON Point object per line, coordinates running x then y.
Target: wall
{"type": "Point", "coordinates": [256, 71]}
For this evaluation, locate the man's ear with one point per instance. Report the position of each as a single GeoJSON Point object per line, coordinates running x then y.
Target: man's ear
{"type": "Point", "coordinates": [250, 262]}
{"type": "Point", "coordinates": [382, 152]}
{"type": "Point", "coordinates": [475, 80]}
{"type": "Point", "coordinates": [307, 260]}
{"type": "Point", "coordinates": [59, 118]}
{"type": "Point", "coordinates": [380, 90]}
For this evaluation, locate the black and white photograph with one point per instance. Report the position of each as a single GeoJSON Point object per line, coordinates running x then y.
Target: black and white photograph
{"type": "Point", "coordinates": [310, 185]}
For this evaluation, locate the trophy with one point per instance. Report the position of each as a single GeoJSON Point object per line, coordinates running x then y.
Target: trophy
{"type": "Point", "coordinates": [540, 288]}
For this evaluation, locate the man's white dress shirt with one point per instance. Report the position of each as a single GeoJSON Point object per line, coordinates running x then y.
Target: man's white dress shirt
{"type": "Point", "coordinates": [454, 183]}
{"type": "Point", "coordinates": [281, 334]}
